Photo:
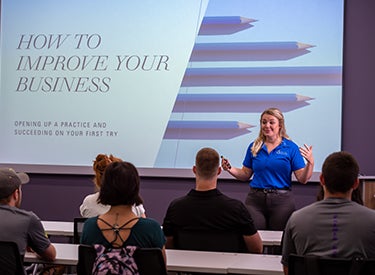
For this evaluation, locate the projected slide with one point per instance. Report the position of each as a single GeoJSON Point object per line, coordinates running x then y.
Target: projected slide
{"type": "Point", "coordinates": [154, 81]}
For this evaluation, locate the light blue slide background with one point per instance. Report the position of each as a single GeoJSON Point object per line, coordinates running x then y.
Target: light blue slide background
{"type": "Point", "coordinates": [133, 113]}
{"type": "Point", "coordinates": [318, 23]}
{"type": "Point", "coordinates": [139, 104]}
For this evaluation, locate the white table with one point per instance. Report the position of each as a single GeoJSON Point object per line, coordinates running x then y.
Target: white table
{"type": "Point", "coordinates": [66, 254]}
{"type": "Point", "coordinates": [260, 264]}
{"type": "Point", "coordinates": [223, 263]}
{"type": "Point", "coordinates": [271, 238]}
{"type": "Point", "coordinates": [187, 261]}
{"type": "Point", "coordinates": [57, 228]}
{"type": "Point", "coordinates": [199, 261]}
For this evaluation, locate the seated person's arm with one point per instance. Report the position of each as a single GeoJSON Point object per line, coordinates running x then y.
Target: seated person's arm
{"type": "Point", "coordinates": [38, 240]}
{"type": "Point", "coordinates": [253, 243]}
{"type": "Point", "coordinates": [49, 254]}
{"type": "Point", "coordinates": [169, 243]}
{"type": "Point", "coordinates": [286, 271]}
{"type": "Point", "coordinates": [164, 256]}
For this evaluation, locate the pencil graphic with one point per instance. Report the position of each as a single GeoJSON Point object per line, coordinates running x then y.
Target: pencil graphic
{"type": "Point", "coordinates": [248, 51]}
{"type": "Point", "coordinates": [262, 76]}
{"type": "Point", "coordinates": [190, 129]}
{"type": "Point", "coordinates": [238, 103]}
{"type": "Point", "coordinates": [226, 20]}
{"type": "Point", "coordinates": [219, 25]}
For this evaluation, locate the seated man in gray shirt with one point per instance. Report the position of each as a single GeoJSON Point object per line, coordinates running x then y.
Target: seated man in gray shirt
{"type": "Point", "coordinates": [17, 225]}
{"type": "Point", "coordinates": [335, 226]}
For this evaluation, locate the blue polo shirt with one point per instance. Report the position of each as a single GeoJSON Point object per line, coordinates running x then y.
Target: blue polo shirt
{"type": "Point", "coordinates": [274, 169]}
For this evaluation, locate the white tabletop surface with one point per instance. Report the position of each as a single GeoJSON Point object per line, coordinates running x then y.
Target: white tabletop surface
{"type": "Point", "coordinates": [199, 261]}
{"type": "Point", "coordinates": [57, 228]}
{"type": "Point", "coordinates": [189, 261]}
{"type": "Point", "coordinates": [271, 237]}
{"type": "Point", "coordinates": [257, 264]}
{"type": "Point", "coordinates": [66, 254]}
{"type": "Point", "coordinates": [223, 263]}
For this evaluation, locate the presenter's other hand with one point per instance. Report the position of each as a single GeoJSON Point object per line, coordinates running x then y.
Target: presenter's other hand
{"type": "Point", "coordinates": [307, 153]}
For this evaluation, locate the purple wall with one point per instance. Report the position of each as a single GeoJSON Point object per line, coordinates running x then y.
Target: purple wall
{"type": "Point", "coordinates": [57, 197]}
{"type": "Point", "coordinates": [359, 82]}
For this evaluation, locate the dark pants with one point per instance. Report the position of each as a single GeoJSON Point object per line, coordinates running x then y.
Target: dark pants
{"type": "Point", "coordinates": [270, 210]}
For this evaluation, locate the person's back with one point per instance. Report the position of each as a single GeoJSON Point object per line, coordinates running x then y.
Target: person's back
{"type": "Point", "coordinates": [335, 226]}
{"type": "Point", "coordinates": [90, 206]}
{"type": "Point", "coordinates": [116, 240]}
{"type": "Point", "coordinates": [120, 227]}
{"type": "Point", "coordinates": [205, 211]}
{"type": "Point", "coordinates": [18, 225]}
{"type": "Point", "coordinates": [209, 213]}
{"type": "Point", "coordinates": [143, 232]}
{"type": "Point", "coordinates": [22, 227]}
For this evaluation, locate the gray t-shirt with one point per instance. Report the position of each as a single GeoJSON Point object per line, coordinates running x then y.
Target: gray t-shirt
{"type": "Point", "coordinates": [24, 228]}
{"type": "Point", "coordinates": [332, 227]}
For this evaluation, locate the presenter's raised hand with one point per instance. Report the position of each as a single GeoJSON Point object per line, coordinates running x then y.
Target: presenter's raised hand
{"type": "Point", "coordinates": [307, 153]}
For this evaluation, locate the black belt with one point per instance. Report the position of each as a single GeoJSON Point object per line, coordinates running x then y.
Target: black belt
{"type": "Point", "coordinates": [271, 190]}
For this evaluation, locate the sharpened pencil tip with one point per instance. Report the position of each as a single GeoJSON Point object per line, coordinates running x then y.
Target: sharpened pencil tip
{"type": "Point", "coordinates": [245, 20]}
{"type": "Point", "coordinates": [243, 125]}
{"type": "Point", "coordinates": [303, 98]}
{"type": "Point", "coordinates": [302, 46]}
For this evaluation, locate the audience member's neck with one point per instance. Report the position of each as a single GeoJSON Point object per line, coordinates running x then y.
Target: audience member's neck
{"type": "Point", "coordinates": [11, 203]}
{"type": "Point", "coordinates": [346, 195]}
{"type": "Point", "coordinates": [120, 209]}
{"type": "Point", "coordinates": [205, 184]}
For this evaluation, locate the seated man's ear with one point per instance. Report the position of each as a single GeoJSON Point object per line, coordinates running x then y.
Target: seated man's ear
{"type": "Point", "coordinates": [356, 184]}
{"type": "Point", "coordinates": [322, 182]}
{"type": "Point", "coordinates": [194, 169]}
